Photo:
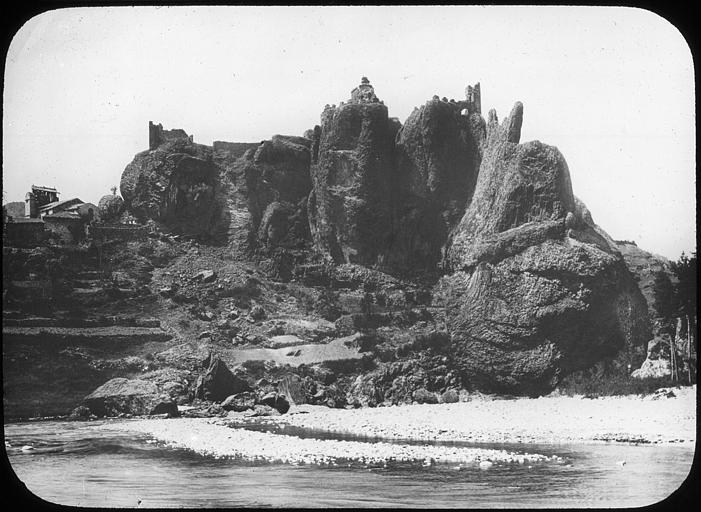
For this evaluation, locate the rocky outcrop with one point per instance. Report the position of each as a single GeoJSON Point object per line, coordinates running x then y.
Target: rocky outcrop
{"type": "Point", "coordinates": [438, 157]}
{"type": "Point", "coordinates": [124, 396]}
{"type": "Point", "coordinates": [653, 369]}
{"type": "Point", "coordinates": [223, 191]}
{"type": "Point", "coordinates": [110, 208]}
{"type": "Point", "coordinates": [174, 184]}
{"type": "Point", "coordinates": [291, 387]}
{"type": "Point", "coordinates": [276, 401]}
{"type": "Point", "coordinates": [522, 197]}
{"type": "Point", "coordinates": [531, 289]}
{"type": "Point", "coordinates": [218, 383]}
{"type": "Point", "coordinates": [536, 291]}
{"type": "Point", "coordinates": [350, 212]}
{"type": "Point", "coordinates": [240, 402]}
{"type": "Point", "coordinates": [645, 268]}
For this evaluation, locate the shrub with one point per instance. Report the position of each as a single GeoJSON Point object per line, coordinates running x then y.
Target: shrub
{"type": "Point", "coordinates": [593, 384]}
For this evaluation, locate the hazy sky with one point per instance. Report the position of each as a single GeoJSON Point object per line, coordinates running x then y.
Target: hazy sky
{"type": "Point", "coordinates": [612, 88]}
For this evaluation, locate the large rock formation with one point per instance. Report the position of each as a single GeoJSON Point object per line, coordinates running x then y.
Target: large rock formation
{"type": "Point", "coordinates": [279, 184]}
{"type": "Point", "coordinates": [350, 208]}
{"type": "Point", "coordinates": [221, 191]}
{"type": "Point", "coordinates": [536, 290]}
{"type": "Point", "coordinates": [174, 184]}
{"type": "Point", "coordinates": [438, 157]}
{"type": "Point", "coordinates": [218, 383]}
{"type": "Point", "coordinates": [532, 287]}
{"type": "Point", "coordinates": [646, 268]}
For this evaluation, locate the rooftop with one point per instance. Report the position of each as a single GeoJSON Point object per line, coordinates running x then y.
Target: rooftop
{"type": "Point", "coordinates": [62, 215]}
{"type": "Point", "coordinates": [26, 220]}
{"type": "Point", "coordinates": [45, 189]}
{"type": "Point", "coordinates": [65, 202]}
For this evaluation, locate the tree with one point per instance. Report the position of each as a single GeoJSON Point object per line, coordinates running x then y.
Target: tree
{"type": "Point", "coordinates": [664, 302]}
{"type": "Point", "coordinates": [665, 306]}
{"type": "Point", "coordinates": [685, 271]}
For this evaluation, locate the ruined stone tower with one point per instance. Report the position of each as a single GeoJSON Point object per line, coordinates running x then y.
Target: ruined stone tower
{"type": "Point", "coordinates": [474, 102]}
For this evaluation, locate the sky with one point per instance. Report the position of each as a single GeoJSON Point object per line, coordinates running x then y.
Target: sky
{"type": "Point", "coordinates": [611, 87]}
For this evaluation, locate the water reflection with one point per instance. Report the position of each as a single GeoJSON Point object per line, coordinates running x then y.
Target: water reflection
{"type": "Point", "coordinates": [71, 463]}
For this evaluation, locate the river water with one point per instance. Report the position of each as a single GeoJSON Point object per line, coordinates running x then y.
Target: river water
{"type": "Point", "coordinates": [72, 463]}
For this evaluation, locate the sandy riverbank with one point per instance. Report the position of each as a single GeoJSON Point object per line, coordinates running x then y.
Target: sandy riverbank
{"type": "Point", "coordinates": [653, 419]}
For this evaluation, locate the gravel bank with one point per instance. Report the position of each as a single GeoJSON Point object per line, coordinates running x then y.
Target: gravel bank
{"type": "Point", "coordinates": [212, 437]}
{"type": "Point", "coordinates": [659, 418]}
{"type": "Point", "coordinates": [656, 418]}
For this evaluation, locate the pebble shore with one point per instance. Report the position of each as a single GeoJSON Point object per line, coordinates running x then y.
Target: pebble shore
{"type": "Point", "coordinates": [653, 419]}
{"type": "Point", "coordinates": [212, 437]}
{"type": "Point", "coordinates": [553, 419]}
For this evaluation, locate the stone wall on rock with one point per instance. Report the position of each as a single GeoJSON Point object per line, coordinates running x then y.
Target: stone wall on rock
{"type": "Point", "coordinates": [101, 233]}
{"type": "Point", "coordinates": [157, 135]}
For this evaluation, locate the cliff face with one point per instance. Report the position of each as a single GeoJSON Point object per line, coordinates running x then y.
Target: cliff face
{"type": "Point", "coordinates": [438, 157]}
{"type": "Point", "coordinates": [531, 287]}
{"type": "Point", "coordinates": [350, 207]}
{"type": "Point", "coordinates": [645, 267]}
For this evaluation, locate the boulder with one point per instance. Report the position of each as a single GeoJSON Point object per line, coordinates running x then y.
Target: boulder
{"type": "Point", "coordinates": [365, 391]}
{"type": "Point", "coordinates": [653, 369]}
{"type": "Point", "coordinates": [218, 383]}
{"type": "Point", "coordinates": [79, 413]}
{"type": "Point", "coordinates": [423, 396]}
{"type": "Point", "coordinates": [110, 208]}
{"type": "Point", "coordinates": [450, 396]}
{"type": "Point", "coordinates": [239, 402]}
{"type": "Point", "coordinates": [167, 407]}
{"type": "Point", "coordinates": [530, 299]}
{"type": "Point", "coordinates": [124, 396]}
{"type": "Point", "coordinates": [263, 410]}
{"type": "Point", "coordinates": [291, 387]}
{"type": "Point", "coordinates": [276, 401]}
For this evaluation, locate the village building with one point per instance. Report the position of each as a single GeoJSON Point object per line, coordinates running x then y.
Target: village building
{"type": "Point", "coordinates": [47, 218]}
